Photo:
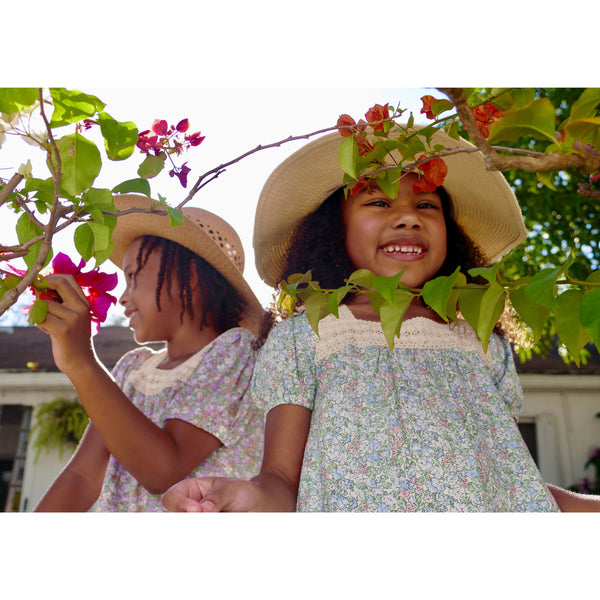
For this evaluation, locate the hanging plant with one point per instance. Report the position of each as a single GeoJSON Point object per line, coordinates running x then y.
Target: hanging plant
{"type": "Point", "coordinates": [58, 423]}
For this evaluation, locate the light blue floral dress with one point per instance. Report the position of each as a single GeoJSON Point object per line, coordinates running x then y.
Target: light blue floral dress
{"type": "Point", "coordinates": [429, 426]}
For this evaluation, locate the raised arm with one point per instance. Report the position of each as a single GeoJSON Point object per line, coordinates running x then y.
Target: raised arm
{"type": "Point", "coordinates": [276, 486]}
{"type": "Point", "coordinates": [573, 502]}
{"type": "Point", "coordinates": [156, 456]}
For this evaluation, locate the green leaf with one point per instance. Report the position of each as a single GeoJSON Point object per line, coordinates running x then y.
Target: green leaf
{"type": "Point", "coordinates": [14, 100]}
{"type": "Point", "coordinates": [348, 157]}
{"type": "Point", "coordinates": [546, 178]}
{"type": "Point", "coordinates": [152, 166]}
{"type": "Point", "coordinates": [37, 312]}
{"type": "Point", "coordinates": [27, 230]}
{"type": "Point", "coordinates": [590, 314]}
{"type": "Point", "coordinates": [469, 304]}
{"type": "Point", "coordinates": [99, 197]}
{"type": "Point", "coordinates": [175, 217]}
{"type": "Point", "coordinates": [362, 278]}
{"type": "Point", "coordinates": [568, 322]}
{"type": "Point", "coordinates": [490, 274]}
{"type": "Point", "coordinates": [542, 287]}
{"type": "Point", "coordinates": [83, 239]}
{"type": "Point", "coordinates": [336, 298]}
{"type": "Point", "coordinates": [389, 182]}
{"type": "Point", "coordinates": [437, 291]}
{"type": "Point", "coordinates": [140, 186]}
{"type": "Point", "coordinates": [492, 306]}
{"type": "Point", "coordinates": [81, 163]}
{"type": "Point", "coordinates": [391, 315]}
{"type": "Point", "coordinates": [386, 286]}
{"type": "Point", "coordinates": [533, 314]}
{"type": "Point", "coordinates": [451, 129]}
{"type": "Point", "coordinates": [72, 106]}
{"type": "Point", "coordinates": [101, 234]}
{"type": "Point", "coordinates": [536, 120]}
{"type": "Point", "coordinates": [440, 106]}
{"type": "Point", "coordinates": [315, 306]}
{"type": "Point", "coordinates": [119, 138]}
{"type": "Point", "coordinates": [585, 105]}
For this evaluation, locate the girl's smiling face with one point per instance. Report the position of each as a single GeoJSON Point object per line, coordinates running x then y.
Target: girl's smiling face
{"type": "Point", "coordinates": [385, 235]}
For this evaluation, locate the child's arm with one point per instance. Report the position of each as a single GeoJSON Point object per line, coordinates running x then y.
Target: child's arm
{"type": "Point", "coordinates": [573, 502]}
{"type": "Point", "coordinates": [157, 457]}
{"type": "Point", "coordinates": [79, 483]}
{"type": "Point", "coordinates": [274, 489]}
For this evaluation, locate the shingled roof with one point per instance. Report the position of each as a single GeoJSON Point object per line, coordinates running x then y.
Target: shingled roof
{"type": "Point", "coordinates": [22, 345]}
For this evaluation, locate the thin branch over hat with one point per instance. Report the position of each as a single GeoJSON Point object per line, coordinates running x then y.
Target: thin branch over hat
{"type": "Point", "coordinates": [483, 203]}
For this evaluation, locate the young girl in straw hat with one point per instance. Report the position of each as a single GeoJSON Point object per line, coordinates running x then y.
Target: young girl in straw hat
{"type": "Point", "coordinates": [352, 425]}
{"type": "Point", "coordinates": [184, 410]}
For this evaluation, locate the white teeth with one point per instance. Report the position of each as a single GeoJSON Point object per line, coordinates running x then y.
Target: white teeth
{"type": "Point", "coordinates": [403, 249]}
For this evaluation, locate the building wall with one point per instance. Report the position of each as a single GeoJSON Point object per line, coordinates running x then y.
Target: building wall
{"type": "Point", "coordinates": [562, 407]}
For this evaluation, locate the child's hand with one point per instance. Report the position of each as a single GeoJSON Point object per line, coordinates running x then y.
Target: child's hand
{"type": "Point", "coordinates": [68, 323]}
{"type": "Point", "coordinates": [210, 494]}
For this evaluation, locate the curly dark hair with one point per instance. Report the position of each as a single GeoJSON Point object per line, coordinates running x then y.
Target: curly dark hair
{"type": "Point", "coordinates": [318, 244]}
{"type": "Point", "coordinates": [218, 297]}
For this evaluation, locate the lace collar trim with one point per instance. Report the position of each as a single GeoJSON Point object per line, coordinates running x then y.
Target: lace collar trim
{"type": "Point", "coordinates": [418, 332]}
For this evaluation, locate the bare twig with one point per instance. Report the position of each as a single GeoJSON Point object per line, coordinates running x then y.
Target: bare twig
{"type": "Point", "coordinates": [9, 188]}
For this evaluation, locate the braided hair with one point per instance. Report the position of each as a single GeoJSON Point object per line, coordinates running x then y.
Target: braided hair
{"type": "Point", "coordinates": [218, 297]}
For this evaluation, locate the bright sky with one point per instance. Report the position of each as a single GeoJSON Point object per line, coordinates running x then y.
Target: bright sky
{"type": "Point", "coordinates": [233, 121]}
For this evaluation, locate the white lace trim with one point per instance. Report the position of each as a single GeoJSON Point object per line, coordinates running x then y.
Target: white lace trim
{"type": "Point", "coordinates": [419, 332]}
{"type": "Point", "coordinates": [150, 380]}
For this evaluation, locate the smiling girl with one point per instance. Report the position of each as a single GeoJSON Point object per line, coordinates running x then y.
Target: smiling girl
{"type": "Point", "coordinates": [162, 415]}
{"type": "Point", "coordinates": [352, 425]}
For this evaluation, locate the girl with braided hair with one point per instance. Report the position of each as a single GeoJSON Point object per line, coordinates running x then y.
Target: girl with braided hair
{"type": "Point", "coordinates": [183, 411]}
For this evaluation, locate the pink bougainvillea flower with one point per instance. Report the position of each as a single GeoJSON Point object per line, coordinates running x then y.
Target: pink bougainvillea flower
{"type": "Point", "coordinates": [147, 142]}
{"type": "Point", "coordinates": [183, 126]}
{"type": "Point", "coordinates": [95, 286]}
{"type": "Point", "coordinates": [94, 283]}
{"type": "Point", "coordinates": [181, 173]}
{"type": "Point", "coordinates": [160, 127]}
{"type": "Point", "coordinates": [195, 139]}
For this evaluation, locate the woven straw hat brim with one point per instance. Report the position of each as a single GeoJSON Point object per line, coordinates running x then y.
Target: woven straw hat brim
{"type": "Point", "coordinates": [202, 232]}
{"type": "Point", "coordinates": [483, 202]}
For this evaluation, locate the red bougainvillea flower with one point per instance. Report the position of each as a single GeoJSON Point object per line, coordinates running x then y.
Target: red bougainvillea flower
{"type": "Point", "coordinates": [485, 115]}
{"type": "Point", "coordinates": [426, 110]}
{"type": "Point", "coordinates": [346, 121]}
{"type": "Point", "coordinates": [360, 185]}
{"type": "Point", "coordinates": [378, 113]}
{"type": "Point", "coordinates": [434, 173]}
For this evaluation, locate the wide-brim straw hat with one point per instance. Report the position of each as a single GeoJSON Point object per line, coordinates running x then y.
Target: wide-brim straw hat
{"type": "Point", "coordinates": [483, 203]}
{"type": "Point", "coordinates": [202, 232]}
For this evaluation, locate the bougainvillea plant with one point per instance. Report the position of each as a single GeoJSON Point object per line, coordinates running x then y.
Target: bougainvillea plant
{"type": "Point", "coordinates": [488, 117]}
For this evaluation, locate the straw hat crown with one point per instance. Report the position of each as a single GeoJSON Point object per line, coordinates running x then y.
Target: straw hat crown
{"type": "Point", "coordinates": [202, 232]}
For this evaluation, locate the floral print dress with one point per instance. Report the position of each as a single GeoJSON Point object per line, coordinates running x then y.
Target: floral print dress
{"type": "Point", "coordinates": [427, 426]}
{"type": "Point", "coordinates": [209, 390]}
